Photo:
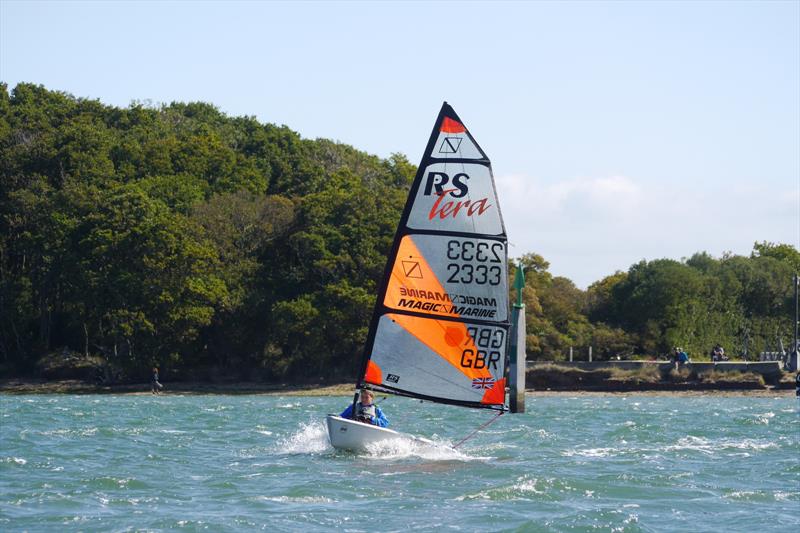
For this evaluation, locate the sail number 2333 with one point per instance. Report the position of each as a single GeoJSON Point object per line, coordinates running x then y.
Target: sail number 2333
{"type": "Point", "coordinates": [478, 262]}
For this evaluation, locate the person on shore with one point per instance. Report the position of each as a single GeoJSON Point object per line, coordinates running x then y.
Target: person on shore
{"type": "Point", "coordinates": [366, 411]}
{"type": "Point", "coordinates": [679, 357]}
{"type": "Point", "coordinates": [718, 354]}
{"type": "Point", "coordinates": [155, 385]}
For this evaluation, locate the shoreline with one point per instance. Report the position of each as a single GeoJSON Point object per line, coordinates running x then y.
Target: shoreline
{"type": "Point", "coordinates": [39, 386]}
{"type": "Point", "coordinates": [73, 386]}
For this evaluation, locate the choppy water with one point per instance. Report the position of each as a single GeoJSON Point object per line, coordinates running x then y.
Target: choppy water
{"type": "Point", "coordinates": [229, 463]}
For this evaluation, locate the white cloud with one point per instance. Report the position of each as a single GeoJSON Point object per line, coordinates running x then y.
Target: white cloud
{"type": "Point", "coordinates": [597, 194]}
{"type": "Point", "coordinates": [589, 227]}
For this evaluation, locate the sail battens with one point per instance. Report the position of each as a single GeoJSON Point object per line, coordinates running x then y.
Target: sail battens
{"type": "Point", "coordinates": [500, 238]}
{"type": "Point", "coordinates": [456, 161]}
{"type": "Point", "coordinates": [444, 318]}
{"type": "Point", "coordinates": [440, 327]}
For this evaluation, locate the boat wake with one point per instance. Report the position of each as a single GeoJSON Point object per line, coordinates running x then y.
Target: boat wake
{"type": "Point", "coordinates": [310, 438]}
{"type": "Point", "coordinates": [409, 448]}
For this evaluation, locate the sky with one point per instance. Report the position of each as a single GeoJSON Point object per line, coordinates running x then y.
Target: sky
{"type": "Point", "coordinates": [618, 131]}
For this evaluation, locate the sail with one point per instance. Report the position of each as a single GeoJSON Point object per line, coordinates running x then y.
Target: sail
{"type": "Point", "coordinates": [440, 326]}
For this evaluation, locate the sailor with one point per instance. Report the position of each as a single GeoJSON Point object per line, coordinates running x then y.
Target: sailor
{"type": "Point", "coordinates": [366, 411]}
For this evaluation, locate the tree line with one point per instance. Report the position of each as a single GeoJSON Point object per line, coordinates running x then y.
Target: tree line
{"type": "Point", "coordinates": [179, 236]}
{"type": "Point", "coordinates": [745, 304]}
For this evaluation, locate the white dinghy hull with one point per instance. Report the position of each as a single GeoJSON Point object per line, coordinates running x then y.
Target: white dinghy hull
{"type": "Point", "coordinates": [346, 434]}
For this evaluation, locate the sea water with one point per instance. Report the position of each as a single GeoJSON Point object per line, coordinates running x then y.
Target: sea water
{"type": "Point", "coordinates": [241, 463]}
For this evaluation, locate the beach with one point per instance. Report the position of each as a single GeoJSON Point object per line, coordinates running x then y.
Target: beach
{"type": "Point", "coordinates": [40, 386]}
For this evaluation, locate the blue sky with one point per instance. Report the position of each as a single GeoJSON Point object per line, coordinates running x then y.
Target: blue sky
{"type": "Point", "coordinates": [618, 131]}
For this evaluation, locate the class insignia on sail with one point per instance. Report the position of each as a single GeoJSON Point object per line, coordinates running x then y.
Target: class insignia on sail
{"type": "Point", "coordinates": [440, 326]}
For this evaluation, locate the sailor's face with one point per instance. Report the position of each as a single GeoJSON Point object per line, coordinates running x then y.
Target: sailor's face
{"type": "Point", "coordinates": [366, 398]}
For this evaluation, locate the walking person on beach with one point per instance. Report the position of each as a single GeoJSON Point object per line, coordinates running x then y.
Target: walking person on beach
{"type": "Point", "coordinates": [156, 386]}
{"type": "Point", "coordinates": [797, 389]}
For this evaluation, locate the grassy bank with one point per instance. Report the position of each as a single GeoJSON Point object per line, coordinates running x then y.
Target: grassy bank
{"type": "Point", "coordinates": [561, 378]}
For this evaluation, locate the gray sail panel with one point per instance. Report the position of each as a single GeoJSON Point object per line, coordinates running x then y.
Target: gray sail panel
{"type": "Point", "coordinates": [457, 197]}
{"type": "Point", "coordinates": [452, 361]}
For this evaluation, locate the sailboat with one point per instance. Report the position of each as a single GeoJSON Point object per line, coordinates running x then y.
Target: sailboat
{"type": "Point", "coordinates": [440, 327]}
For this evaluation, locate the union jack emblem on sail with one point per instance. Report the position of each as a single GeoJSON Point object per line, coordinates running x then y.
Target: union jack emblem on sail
{"type": "Point", "coordinates": [483, 383]}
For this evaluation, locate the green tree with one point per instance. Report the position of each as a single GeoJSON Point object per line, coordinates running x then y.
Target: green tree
{"type": "Point", "coordinates": [786, 253]}
{"type": "Point", "coordinates": [149, 277]}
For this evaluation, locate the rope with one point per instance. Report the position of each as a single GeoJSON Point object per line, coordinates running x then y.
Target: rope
{"type": "Point", "coordinates": [462, 441]}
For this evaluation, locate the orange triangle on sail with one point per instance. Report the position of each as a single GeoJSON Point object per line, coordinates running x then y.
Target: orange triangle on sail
{"type": "Point", "coordinates": [414, 281]}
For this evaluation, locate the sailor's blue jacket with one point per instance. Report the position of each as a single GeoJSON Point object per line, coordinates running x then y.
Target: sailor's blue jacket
{"type": "Point", "coordinates": [378, 420]}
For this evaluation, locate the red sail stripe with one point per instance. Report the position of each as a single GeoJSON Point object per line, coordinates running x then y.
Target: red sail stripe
{"type": "Point", "coordinates": [452, 126]}
{"type": "Point", "coordinates": [497, 394]}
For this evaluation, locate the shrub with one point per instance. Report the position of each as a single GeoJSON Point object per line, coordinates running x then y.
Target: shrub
{"type": "Point", "coordinates": [717, 377]}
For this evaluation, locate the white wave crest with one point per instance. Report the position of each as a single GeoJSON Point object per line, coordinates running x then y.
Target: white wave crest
{"type": "Point", "coordinates": [296, 499]}
{"type": "Point", "coordinates": [78, 432]}
{"type": "Point", "coordinates": [710, 447]}
{"type": "Point", "coordinates": [401, 448]}
{"type": "Point", "coordinates": [630, 519]}
{"type": "Point", "coordinates": [216, 409]}
{"type": "Point", "coordinates": [764, 418]}
{"type": "Point", "coordinates": [523, 488]}
{"type": "Point", "coordinates": [310, 438]}
{"type": "Point", "coordinates": [591, 452]}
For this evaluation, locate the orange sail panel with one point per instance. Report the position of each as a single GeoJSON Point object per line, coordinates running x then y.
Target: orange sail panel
{"type": "Point", "coordinates": [449, 340]}
{"type": "Point", "coordinates": [463, 279]}
{"type": "Point", "coordinates": [430, 357]}
{"type": "Point", "coordinates": [373, 374]}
